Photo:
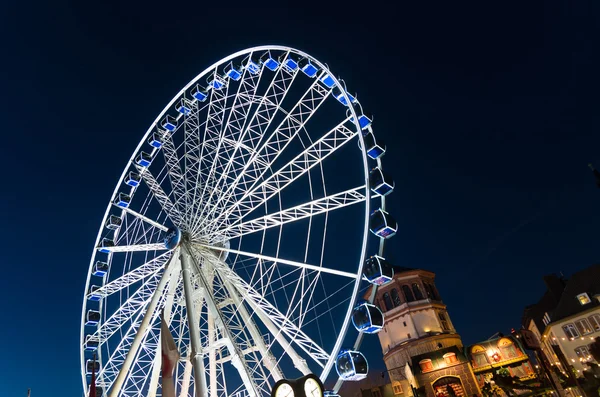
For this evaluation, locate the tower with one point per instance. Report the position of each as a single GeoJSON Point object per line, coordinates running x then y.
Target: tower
{"type": "Point", "coordinates": [420, 345]}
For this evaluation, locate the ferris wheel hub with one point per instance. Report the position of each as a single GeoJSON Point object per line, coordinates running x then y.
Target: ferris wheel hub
{"type": "Point", "coordinates": [173, 238]}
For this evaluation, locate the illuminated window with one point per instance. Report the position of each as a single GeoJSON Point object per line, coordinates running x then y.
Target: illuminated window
{"type": "Point", "coordinates": [570, 331]}
{"type": "Point", "coordinates": [426, 365]}
{"type": "Point", "coordinates": [396, 298]}
{"type": "Point", "coordinates": [508, 349]}
{"type": "Point", "coordinates": [443, 321]}
{"type": "Point", "coordinates": [583, 299]}
{"type": "Point", "coordinates": [595, 321]}
{"type": "Point", "coordinates": [397, 386]}
{"type": "Point", "coordinates": [518, 371]}
{"type": "Point", "coordinates": [546, 318]}
{"type": "Point", "coordinates": [479, 359]}
{"type": "Point", "coordinates": [583, 353]}
{"type": "Point", "coordinates": [450, 358]}
{"type": "Point", "coordinates": [583, 326]}
{"type": "Point", "coordinates": [376, 392]}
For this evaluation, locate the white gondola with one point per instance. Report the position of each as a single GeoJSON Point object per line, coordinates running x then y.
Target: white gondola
{"type": "Point", "coordinates": [199, 93]}
{"type": "Point", "coordinates": [308, 68]}
{"type": "Point", "coordinates": [89, 367]}
{"type": "Point", "coordinates": [375, 148]}
{"type": "Point", "coordinates": [382, 224]}
{"type": "Point", "coordinates": [169, 123]}
{"type": "Point", "coordinates": [93, 295]}
{"type": "Point", "coordinates": [351, 365]}
{"type": "Point", "coordinates": [289, 62]}
{"type": "Point", "coordinates": [113, 222]}
{"type": "Point", "coordinates": [100, 269]}
{"type": "Point", "coordinates": [234, 73]}
{"type": "Point", "coordinates": [105, 244]}
{"type": "Point", "coordinates": [143, 159]}
{"type": "Point", "coordinates": [184, 106]}
{"type": "Point", "coordinates": [380, 182]}
{"type": "Point", "coordinates": [251, 64]}
{"type": "Point", "coordinates": [92, 317]}
{"type": "Point", "coordinates": [133, 179]}
{"type": "Point", "coordinates": [269, 62]}
{"type": "Point", "coordinates": [123, 200]}
{"type": "Point", "coordinates": [378, 271]}
{"type": "Point", "coordinates": [327, 80]}
{"type": "Point", "coordinates": [339, 95]}
{"type": "Point", "coordinates": [367, 318]}
{"type": "Point", "coordinates": [215, 82]}
{"type": "Point", "coordinates": [90, 344]}
{"type": "Point", "coordinates": [155, 140]}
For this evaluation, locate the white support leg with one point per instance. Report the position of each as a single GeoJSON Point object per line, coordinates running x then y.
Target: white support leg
{"type": "Point", "coordinates": [141, 333]}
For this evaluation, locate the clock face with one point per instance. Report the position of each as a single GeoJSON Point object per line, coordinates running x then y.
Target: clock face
{"type": "Point", "coordinates": [284, 390]}
{"type": "Point", "coordinates": [312, 388]}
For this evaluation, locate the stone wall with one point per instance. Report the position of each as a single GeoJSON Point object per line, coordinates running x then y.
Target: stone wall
{"type": "Point", "coordinates": [462, 371]}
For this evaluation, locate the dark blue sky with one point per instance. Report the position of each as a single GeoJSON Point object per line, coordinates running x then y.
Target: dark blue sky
{"type": "Point", "coordinates": [490, 113]}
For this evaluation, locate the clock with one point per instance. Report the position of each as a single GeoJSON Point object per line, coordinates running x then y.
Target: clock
{"type": "Point", "coordinates": [283, 390]}
{"type": "Point", "coordinates": [313, 388]}
{"type": "Point", "coordinates": [307, 386]}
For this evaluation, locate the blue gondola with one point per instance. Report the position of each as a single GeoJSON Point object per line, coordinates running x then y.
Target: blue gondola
{"type": "Point", "coordinates": [105, 244]}
{"type": "Point", "coordinates": [169, 123]}
{"type": "Point", "coordinates": [339, 95]}
{"type": "Point", "coordinates": [289, 62]}
{"type": "Point", "coordinates": [327, 80]}
{"type": "Point", "coordinates": [100, 269]}
{"type": "Point", "coordinates": [234, 73]}
{"type": "Point", "coordinates": [93, 295]}
{"type": "Point", "coordinates": [378, 271]}
{"type": "Point", "coordinates": [143, 159]}
{"type": "Point", "coordinates": [367, 318]}
{"type": "Point", "coordinates": [184, 107]}
{"type": "Point", "coordinates": [351, 365]}
{"type": "Point", "coordinates": [382, 224]}
{"type": "Point", "coordinates": [308, 68]}
{"type": "Point", "coordinates": [380, 182]}
{"type": "Point", "coordinates": [113, 222]}
{"type": "Point", "coordinates": [123, 200]}
{"type": "Point", "coordinates": [90, 344]}
{"type": "Point", "coordinates": [215, 81]}
{"type": "Point", "coordinates": [375, 148]}
{"type": "Point", "coordinates": [251, 64]}
{"type": "Point", "coordinates": [133, 179]}
{"type": "Point", "coordinates": [363, 121]}
{"type": "Point", "coordinates": [89, 367]}
{"type": "Point", "coordinates": [92, 317]}
{"type": "Point", "coordinates": [330, 393]}
{"type": "Point", "coordinates": [199, 93]}
{"type": "Point", "coordinates": [155, 140]}
{"type": "Point", "coordinates": [269, 62]}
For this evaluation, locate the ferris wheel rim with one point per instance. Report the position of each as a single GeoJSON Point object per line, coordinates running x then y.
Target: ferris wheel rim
{"type": "Point", "coordinates": [137, 150]}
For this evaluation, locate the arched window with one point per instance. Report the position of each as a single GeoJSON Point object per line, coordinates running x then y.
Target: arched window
{"type": "Point", "coordinates": [397, 387]}
{"type": "Point", "coordinates": [426, 365]}
{"type": "Point", "coordinates": [407, 293]}
{"type": "Point", "coordinates": [387, 302]}
{"type": "Point", "coordinates": [428, 291]}
{"type": "Point", "coordinates": [436, 294]}
{"type": "Point", "coordinates": [479, 356]}
{"type": "Point", "coordinates": [450, 358]}
{"type": "Point", "coordinates": [417, 291]}
{"type": "Point", "coordinates": [508, 349]}
{"type": "Point", "coordinates": [396, 298]}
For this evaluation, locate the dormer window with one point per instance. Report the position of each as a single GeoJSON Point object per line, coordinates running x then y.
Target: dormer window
{"type": "Point", "coordinates": [450, 358]}
{"type": "Point", "coordinates": [426, 365]}
{"type": "Point", "coordinates": [583, 299]}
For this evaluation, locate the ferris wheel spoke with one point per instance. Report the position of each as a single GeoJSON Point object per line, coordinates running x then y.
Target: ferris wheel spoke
{"type": "Point", "coordinates": [176, 175]}
{"type": "Point", "coordinates": [147, 269]}
{"type": "Point", "coordinates": [302, 211]}
{"type": "Point", "coordinates": [278, 140]}
{"type": "Point", "coordinates": [259, 122]}
{"type": "Point", "coordinates": [131, 248]}
{"type": "Point", "coordinates": [160, 195]}
{"type": "Point", "coordinates": [143, 218]}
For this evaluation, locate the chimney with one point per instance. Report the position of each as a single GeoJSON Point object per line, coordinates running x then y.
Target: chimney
{"type": "Point", "coordinates": [555, 286]}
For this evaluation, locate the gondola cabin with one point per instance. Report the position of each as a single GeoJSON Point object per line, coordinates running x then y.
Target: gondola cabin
{"type": "Point", "coordinates": [339, 95]}
{"type": "Point", "coordinates": [375, 148]}
{"type": "Point", "coordinates": [155, 140]}
{"type": "Point", "coordinates": [252, 65]}
{"type": "Point", "coordinates": [269, 62]}
{"type": "Point", "coordinates": [169, 123]}
{"type": "Point", "coordinates": [100, 269]}
{"type": "Point", "coordinates": [93, 295]}
{"type": "Point", "coordinates": [351, 365]}
{"type": "Point", "coordinates": [330, 393]}
{"type": "Point", "coordinates": [215, 81]}
{"type": "Point", "coordinates": [327, 80]}
{"type": "Point", "coordinates": [363, 121]}
{"type": "Point", "coordinates": [308, 68]}
{"type": "Point", "coordinates": [123, 200]}
{"type": "Point", "coordinates": [90, 344]}
{"type": "Point", "coordinates": [378, 271]}
{"type": "Point", "coordinates": [380, 182]}
{"type": "Point", "coordinates": [289, 62]}
{"type": "Point", "coordinates": [382, 224]}
{"type": "Point", "coordinates": [234, 73]}
{"type": "Point", "coordinates": [184, 107]}
{"type": "Point", "coordinates": [133, 179]}
{"type": "Point", "coordinates": [105, 245]}
{"type": "Point", "coordinates": [92, 317]}
{"type": "Point", "coordinates": [91, 365]}
{"type": "Point", "coordinates": [113, 222]}
{"type": "Point", "coordinates": [199, 93]}
{"type": "Point", "coordinates": [367, 318]}
{"type": "Point", "coordinates": [143, 159]}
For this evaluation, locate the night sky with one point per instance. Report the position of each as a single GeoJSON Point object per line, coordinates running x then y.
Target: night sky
{"type": "Point", "coordinates": [490, 114]}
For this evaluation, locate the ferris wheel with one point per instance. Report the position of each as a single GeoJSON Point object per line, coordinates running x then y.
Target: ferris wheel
{"type": "Point", "coordinates": [245, 219]}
